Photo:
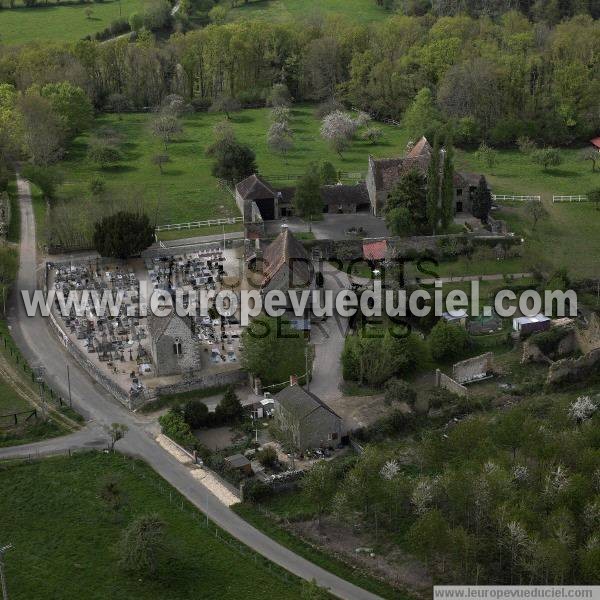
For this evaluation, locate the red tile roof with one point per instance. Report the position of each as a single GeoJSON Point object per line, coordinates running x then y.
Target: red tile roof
{"type": "Point", "coordinates": [375, 250]}
{"type": "Point", "coordinates": [596, 142]}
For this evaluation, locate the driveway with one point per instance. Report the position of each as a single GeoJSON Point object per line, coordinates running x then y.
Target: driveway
{"type": "Point", "coordinates": [333, 226]}
{"type": "Point", "coordinates": [41, 347]}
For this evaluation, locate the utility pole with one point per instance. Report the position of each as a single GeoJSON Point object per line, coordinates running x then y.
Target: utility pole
{"type": "Point", "coordinates": [2, 577]}
{"type": "Point", "coordinates": [307, 374]}
{"type": "Point", "coordinates": [69, 384]}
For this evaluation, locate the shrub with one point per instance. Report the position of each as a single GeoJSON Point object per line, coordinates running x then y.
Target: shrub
{"type": "Point", "coordinates": [195, 414]}
{"type": "Point", "coordinates": [174, 426]}
{"type": "Point", "coordinates": [267, 457]}
{"type": "Point", "coordinates": [447, 340]}
{"type": "Point", "coordinates": [397, 390]}
{"type": "Point", "coordinates": [255, 491]}
{"type": "Point", "coordinates": [123, 234]}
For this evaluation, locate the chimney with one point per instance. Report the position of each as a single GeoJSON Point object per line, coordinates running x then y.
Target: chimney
{"type": "Point", "coordinates": [293, 380]}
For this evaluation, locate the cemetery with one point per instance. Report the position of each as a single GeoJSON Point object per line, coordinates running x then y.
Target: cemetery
{"type": "Point", "coordinates": [140, 353]}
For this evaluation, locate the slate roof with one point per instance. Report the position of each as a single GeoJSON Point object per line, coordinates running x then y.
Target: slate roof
{"type": "Point", "coordinates": [254, 188]}
{"type": "Point", "coordinates": [300, 403]}
{"type": "Point", "coordinates": [286, 251]}
{"type": "Point", "coordinates": [237, 461]}
{"type": "Point", "coordinates": [158, 325]}
{"type": "Point", "coordinates": [345, 195]}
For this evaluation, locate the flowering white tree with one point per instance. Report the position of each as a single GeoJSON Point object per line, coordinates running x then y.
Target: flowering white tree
{"type": "Point", "coordinates": [520, 473]}
{"type": "Point", "coordinates": [279, 138]}
{"type": "Point", "coordinates": [582, 409]}
{"type": "Point", "coordinates": [422, 496]}
{"type": "Point", "coordinates": [338, 128]}
{"type": "Point", "coordinates": [390, 469]}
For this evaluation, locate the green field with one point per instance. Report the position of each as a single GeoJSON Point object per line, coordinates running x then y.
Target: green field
{"type": "Point", "coordinates": [65, 538]}
{"type": "Point", "coordinates": [362, 11]}
{"type": "Point", "coordinates": [187, 191]}
{"type": "Point", "coordinates": [59, 23]}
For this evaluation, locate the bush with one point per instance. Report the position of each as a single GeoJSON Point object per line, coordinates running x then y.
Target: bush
{"type": "Point", "coordinates": [255, 491]}
{"type": "Point", "coordinates": [174, 426]}
{"type": "Point", "coordinates": [447, 341]}
{"type": "Point", "coordinates": [397, 390]}
{"type": "Point", "coordinates": [195, 414]}
{"type": "Point", "coordinates": [267, 457]}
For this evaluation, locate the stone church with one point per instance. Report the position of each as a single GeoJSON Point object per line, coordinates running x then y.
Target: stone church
{"type": "Point", "coordinates": [175, 347]}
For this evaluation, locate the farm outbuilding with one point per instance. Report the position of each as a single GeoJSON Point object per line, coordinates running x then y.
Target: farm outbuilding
{"type": "Point", "coordinates": [527, 325]}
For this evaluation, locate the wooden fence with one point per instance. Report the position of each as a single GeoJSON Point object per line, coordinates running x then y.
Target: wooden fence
{"type": "Point", "coordinates": [13, 419]}
{"type": "Point", "coordinates": [198, 224]}
{"type": "Point", "coordinates": [509, 198]}
{"type": "Point", "coordinates": [580, 198]}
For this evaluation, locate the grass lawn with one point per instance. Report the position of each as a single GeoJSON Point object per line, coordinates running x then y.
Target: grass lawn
{"type": "Point", "coordinates": [569, 237]}
{"type": "Point", "coordinates": [177, 234]}
{"type": "Point", "coordinates": [361, 11]}
{"type": "Point", "coordinates": [57, 23]}
{"type": "Point", "coordinates": [187, 191]}
{"type": "Point", "coordinates": [65, 538]}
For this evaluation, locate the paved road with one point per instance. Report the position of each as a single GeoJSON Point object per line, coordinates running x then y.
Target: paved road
{"type": "Point", "coordinates": [39, 346]}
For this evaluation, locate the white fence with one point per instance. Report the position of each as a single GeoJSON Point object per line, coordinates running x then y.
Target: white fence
{"type": "Point", "coordinates": [580, 198]}
{"type": "Point", "coordinates": [197, 224]}
{"type": "Point", "coordinates": [507, 198]}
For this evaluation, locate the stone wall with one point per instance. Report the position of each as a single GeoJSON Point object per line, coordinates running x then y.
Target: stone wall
{"type": "Point", "coordinates": [442, 380]}
{"type": "Point", "coordinates": [474, 368]}
{"type": "Point", "coordinates": [202, 382]}
{"type": "Point", "coordinates": [571, 370]}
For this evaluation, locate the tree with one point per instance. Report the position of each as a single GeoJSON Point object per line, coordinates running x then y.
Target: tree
{"type": "Point", "coordinates": [591, 154]}
{"type": "Point", "coordinates": [42, 131]}
{"type": "Point", "coordinates": [447, 340]}
{"type": "Point", "coordinates": [272, 350]}
{"type": "Point", "coordinates": [487, 155]}
{"type": "Point", "coordinates": [329, 174]}
{"type": "Point", "coordinates": [123, 234]}
{"type": "Point", "coordinates": [226, 104]}
{"type": "Point", "coordinates": [338, 128]}
{"type": "Point", "coordinates": [447, 185]}
{"type": "Point", "coordinates": [422, 116]}
{"type": "Point", "coordinates": [536, 212]}
{"type": "Point", "coordinates": [307, 196]}
{"type": "Point", "coordinates": [195, 414]}
{"type": "Point", "coordinates": [218, 15]}
{"type": "Point", "coordinates": [88, 13]}
{"type": "Point", "coordinates": [71, 105]}
{"type": "Point", "coordinates": [280, 95]}
{"type": "Point", "coordinates": [433, 187]}
{"type": "Point", "coordinates": [117, 103]}
{"type": "Point", "coordinates": [104, 154]}
{"type": "Point", "coordinates": [405, 209]}
{"type": "Point", "coordinates": [482, 200]}
{"type": "Point", "coordinates": [229, 409]}
{"type": "Point", "coordinates": [280, 114]}
{"type": "Point", "coordinates": [233, 162]}
{"type": "Point", "coordinates": [397, 390]}
{"type": "Point", "coordinates": [319, 485]}
{"type": "Point", "coordinates": [165, 127]}
{"type": "Point", "coordinates": [547, 157]}
{"type": "Point", "coordinates": [372, 135]}
{"type": "Point", "coordinates": [97, 186]}
{"type": "Point", "coordinates": [160, 160]}
{"type": "Point", "coordinates": [429, 536]}
{"type": "Point", "coordinates": [116, 432]}
{"type": "Point", "coordinates": [141, 545]}
{"type": "Point", "coordinates": [279, 138]}
{"type": "Point", "coordinates": [46, 178]}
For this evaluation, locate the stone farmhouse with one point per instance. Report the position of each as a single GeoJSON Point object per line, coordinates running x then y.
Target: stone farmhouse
{"type": "Point", "coordinates": [306, 420]}
{"type": "Point", "coordinates": [383, 173]}
{"type": "Point", "coordinates": [174, 347]}
{"type": "Point", "coordinates": [259, 201]}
